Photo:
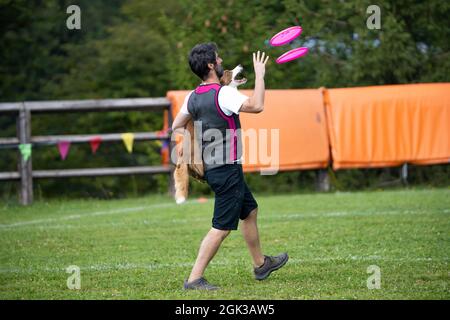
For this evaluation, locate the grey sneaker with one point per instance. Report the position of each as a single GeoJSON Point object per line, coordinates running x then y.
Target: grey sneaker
{"type": "Point", "coordinates": [270, 264]}
{"type": "Point", "coordinates": [199, 284]}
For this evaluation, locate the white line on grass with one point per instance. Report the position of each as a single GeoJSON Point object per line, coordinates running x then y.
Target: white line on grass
{"type": "Point", "coordinates": [267, 216]}
{"type": "Point", "coordinates": [295, 215]}
{"type": "Point", "coordinates": [92, 214]}
{"type": "Point", "coordinates": [222, 263]}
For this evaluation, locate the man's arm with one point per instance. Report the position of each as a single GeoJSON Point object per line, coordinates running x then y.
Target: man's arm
{"type": "Point", "coordinates": [255, 104]}
{"type": "Point", "coordinates": [178, 128]}
{"type": "Point", "coordinates": [180, 121]}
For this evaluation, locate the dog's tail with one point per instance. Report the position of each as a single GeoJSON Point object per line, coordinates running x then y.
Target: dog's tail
{"type": "Point", "coordinates": [181, 178]}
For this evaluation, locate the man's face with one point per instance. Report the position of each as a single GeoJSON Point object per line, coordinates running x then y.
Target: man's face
{"type": "Point", "coordinates": [218, 66]}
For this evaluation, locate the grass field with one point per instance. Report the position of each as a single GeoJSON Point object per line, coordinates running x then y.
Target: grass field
{"type": "Point", "coordinates": [144, 248]}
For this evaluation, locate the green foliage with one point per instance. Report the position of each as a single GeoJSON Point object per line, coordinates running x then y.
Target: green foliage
{"type": "Point", "coordinates": [139, 48]}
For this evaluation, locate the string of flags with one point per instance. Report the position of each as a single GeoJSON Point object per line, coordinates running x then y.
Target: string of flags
{"type": "Point", "coordinates": [64, 146]}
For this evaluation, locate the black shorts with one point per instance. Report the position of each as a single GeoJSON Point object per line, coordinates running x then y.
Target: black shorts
{"type": "Point", "coordinates": [233, 199]}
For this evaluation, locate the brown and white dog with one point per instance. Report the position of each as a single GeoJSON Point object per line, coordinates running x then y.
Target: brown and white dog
{"type": "Point", "coordinates": [194, 168]}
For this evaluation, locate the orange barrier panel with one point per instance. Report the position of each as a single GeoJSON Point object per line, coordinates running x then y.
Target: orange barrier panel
{"type": "Point", "coordinates": [389, 125]}
{"type": "Point", "coordinates": [299, 116]}
{"type": "Point", "coordinates": [177, 99]}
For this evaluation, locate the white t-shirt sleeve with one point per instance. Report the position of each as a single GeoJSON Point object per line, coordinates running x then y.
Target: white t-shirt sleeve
{"type": "Point", "coordinates": [184, 108]}
{"type": "Point", "coordinates": [230, 100]}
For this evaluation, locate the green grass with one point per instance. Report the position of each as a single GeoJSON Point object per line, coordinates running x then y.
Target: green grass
{"type": "Point", "coordinates": [140, 249]}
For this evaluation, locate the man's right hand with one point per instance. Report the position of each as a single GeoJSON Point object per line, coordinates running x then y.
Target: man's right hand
{"type": "Point", "coordinates": [255, 104]}
{"type": "Point", "coordinates": [180, 149]}
{"type": "Point", "coordinates": [259, 63]}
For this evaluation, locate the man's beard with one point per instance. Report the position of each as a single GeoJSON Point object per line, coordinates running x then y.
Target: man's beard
{"type": "Point", "coordinates": [219, 70]}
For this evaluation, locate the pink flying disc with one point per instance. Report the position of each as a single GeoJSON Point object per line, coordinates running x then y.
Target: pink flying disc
{"type": "Point", "coordinates": [292, 54]}
{"type": "Point", "coordinates": [285, 36]}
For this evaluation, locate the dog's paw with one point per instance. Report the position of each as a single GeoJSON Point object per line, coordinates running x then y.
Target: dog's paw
{"type": "Point", "coordinates": [180, 200]}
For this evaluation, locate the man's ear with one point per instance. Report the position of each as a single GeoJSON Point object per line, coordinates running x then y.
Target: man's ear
{"type": "Point", "coordinates": [211, 66]}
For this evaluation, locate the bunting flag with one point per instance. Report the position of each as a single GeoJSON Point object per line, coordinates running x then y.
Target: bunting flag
{"type": "Point", "coordinates": [63, 147]}
{"type": "Point", "coordinates": [159, 134]}
{"type": "Point", "coordinates": [95, 143]}
{"type": "Point", "coordinates": [165, 146]}
{"type": "Point", "coordinates": [165, 156]}
{"type": "Point", "coordinates": [25, 150]}
{"type": "Point", "coordinates": [164, 151]}
{"type": "Point", "coordinates": [128, 139]}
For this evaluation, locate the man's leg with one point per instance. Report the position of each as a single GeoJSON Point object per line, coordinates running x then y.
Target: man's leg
{"type": "Point", "coordinates": [264, 265]}
{"type": "Point", "coordinates": [208, 249]}
{"type": "Point", "coordinates": [249, 229]}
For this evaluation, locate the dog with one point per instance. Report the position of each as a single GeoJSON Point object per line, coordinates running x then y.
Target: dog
{"type": "Point", "coordinates": [186, 168]}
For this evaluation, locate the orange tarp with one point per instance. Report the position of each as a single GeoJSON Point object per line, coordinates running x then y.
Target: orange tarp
{"type": "Point", "coordinates": [364, 127]}
{"type": "Point", "coordinates": [389, 125]}
{"type": "Point", "coordinates": [299, 117]}
{"type": "Point", "coordinates": [177, 99]}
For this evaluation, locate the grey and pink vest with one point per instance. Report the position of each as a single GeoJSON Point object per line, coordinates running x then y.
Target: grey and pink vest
{"type": "Point", "coordinates": [217, 150]}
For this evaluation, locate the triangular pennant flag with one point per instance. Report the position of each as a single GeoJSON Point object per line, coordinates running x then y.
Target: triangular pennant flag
{"type": "Point", "coordinates": [25, 150]}
{"type": "Point", "coordinates": [162, 132]}
{"type": "Point", "coordinates": [164, 146]}
{"type": "Point", "coordinates": [128, 139]}
{"type": "Point", "coordinates": [159, 134]}
{"type": "Point", "coordinates": [95, 143]}
{"type": "Point", "coordinates": [63, 147]}
{"type": "Point", "coordinates": [164, 155]}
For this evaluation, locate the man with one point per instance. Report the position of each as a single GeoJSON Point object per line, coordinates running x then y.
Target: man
{"type": "Point", "coordinates": [217, 107]}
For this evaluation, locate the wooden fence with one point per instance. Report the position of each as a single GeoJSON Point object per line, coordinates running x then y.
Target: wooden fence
{"type": "Point", "coordinates": [24, 111]}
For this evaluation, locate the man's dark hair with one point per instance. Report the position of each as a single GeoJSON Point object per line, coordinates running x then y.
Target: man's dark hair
{"type": "Point", "coordinates": [200, 56]}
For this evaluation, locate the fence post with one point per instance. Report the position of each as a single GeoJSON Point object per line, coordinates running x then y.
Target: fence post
{"type": "Point", "coordinates": [404, 174]}
{"type": "Point", "coordinates": [322, 180]}
{"type": "Point", "coordinates": [171, 178]}
{"type": "Point", "coordinates": [25, 167]}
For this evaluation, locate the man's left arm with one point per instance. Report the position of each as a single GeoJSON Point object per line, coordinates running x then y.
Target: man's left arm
{"type": "Point", "coordinates": [178, 128]}
{"type": "Point", "coordinates": [180, 121]}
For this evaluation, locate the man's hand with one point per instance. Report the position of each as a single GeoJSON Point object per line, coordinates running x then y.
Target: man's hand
{"type": "Point", "coordinates": [178, 136]}
{"type": "Point", "coordinates": [260, 64]}
{"type": "Point", "coordinates": [255, 104]}
{"type": "Point", "coordinates": [180, 149]}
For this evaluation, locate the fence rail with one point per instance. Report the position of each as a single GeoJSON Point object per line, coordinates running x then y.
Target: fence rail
{"type": "Point", "coordinates": [81, 138]}
{"type": "Point", "coordinates": [24, 110]}
{"type": "Point", "coordinates": [157, 104]}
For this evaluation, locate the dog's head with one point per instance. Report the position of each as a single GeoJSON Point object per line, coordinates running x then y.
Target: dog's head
{"type": "Point", "coordinates": [233, 78]}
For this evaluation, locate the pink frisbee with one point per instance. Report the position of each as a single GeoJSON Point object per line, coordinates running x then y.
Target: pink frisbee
{"type": "Point", "coordinates": [285, 36]}
{"type": "Point", "coordinates": [292, 54]}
